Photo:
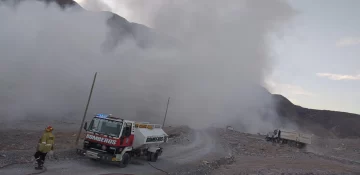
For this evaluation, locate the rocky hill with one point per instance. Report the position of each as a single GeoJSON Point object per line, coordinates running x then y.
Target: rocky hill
{"type": "Point", "coordinates": [323, 123]}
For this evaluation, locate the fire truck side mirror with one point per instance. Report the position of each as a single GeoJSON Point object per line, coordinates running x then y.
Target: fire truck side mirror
{"type": "Point", "coordinates": [85, 126]}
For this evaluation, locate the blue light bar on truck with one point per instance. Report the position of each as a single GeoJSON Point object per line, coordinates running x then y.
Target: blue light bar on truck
{"type": "Point", "coordinates": [102, 115]}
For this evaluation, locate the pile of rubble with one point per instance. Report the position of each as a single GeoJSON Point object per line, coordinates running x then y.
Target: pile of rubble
{"type": "Point", "coordinates": [179, 135]}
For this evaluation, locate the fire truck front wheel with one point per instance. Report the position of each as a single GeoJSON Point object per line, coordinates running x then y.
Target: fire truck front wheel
{"type": "Point", "coordinates": [125, 160]}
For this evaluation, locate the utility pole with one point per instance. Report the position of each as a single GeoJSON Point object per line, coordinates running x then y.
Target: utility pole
{"type": "Point", "coordinates": [167, 106]}
{"type": "Point", "coordinates": [87, 106]}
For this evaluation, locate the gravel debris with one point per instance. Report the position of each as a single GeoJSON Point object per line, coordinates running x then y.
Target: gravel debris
{"type": "Point", "coordinates": [24, 157]}
{"type": "Point", "coordinates": [179, 135]}
{"type": "Point", "coordinates": [205, 167]}
{"type": "Point", "coordinates": [251, 154]}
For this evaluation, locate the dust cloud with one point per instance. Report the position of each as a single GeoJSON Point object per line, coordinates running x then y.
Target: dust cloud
{"type": "Point", "coordinates": [213, 74]}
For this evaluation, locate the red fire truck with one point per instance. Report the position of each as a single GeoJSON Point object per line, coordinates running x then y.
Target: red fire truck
{"type": "Point", "coordinates": [114, 139]}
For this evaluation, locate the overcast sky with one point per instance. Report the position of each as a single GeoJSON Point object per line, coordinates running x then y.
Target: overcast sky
{"type": "Point", "coordinates": [318, 65]}
{"type": "Point", "coordinates": [317, 62]}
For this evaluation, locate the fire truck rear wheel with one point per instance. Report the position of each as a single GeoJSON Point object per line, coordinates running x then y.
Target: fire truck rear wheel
{"type": "Point", "coordinates": [154, 157]}
{"type": "Point", "coordinates": [125, 160]}
{"type": "Point", "coordinates": [148, 156]}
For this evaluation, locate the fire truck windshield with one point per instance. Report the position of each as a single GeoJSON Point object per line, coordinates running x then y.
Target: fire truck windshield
{"type": "Point", "coordinates": [104, 126]}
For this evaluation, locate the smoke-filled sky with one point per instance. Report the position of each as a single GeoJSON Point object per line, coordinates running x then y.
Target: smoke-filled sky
{"type": "Point", "coordinates": [316, 64]}
{"type": "Point", "coordinates": [48, 57]}
{"type": "Point", "coordinates": [327, 78]}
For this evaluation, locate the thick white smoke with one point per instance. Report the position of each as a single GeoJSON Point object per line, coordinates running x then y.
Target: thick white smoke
{"type": "Point", "coordinates": [213, 73]}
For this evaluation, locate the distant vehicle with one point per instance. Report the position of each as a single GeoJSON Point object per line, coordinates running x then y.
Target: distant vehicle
{"type": "Point", "coordinates": [292, 138]}
{"type": "Point", "coordinates": [117, 140]}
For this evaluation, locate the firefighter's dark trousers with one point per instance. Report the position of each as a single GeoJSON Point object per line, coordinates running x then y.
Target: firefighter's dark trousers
{"type": "Point", "coordinates": [40, 158]}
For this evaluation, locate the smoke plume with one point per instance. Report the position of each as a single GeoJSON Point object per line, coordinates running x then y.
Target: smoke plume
{"type": "Point", "coordinates": [213, 73]}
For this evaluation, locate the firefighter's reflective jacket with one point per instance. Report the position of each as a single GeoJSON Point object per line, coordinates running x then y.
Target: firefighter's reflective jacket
{"type": "Point", "coordinates": [46, 142]}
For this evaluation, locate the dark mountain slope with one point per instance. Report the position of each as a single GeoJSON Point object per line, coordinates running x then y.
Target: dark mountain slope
{"type": "Point", "coordinates": [319, 122]}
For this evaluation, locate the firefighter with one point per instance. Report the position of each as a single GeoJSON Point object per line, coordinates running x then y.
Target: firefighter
{"type": "Point", "coordinates": [45, 145]}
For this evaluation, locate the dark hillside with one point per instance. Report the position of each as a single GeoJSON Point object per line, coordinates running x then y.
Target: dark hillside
{"type": "Point", "coordinates": [320, 122]}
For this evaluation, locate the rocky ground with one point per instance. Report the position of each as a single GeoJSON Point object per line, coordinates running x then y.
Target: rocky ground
{"type": "Point", "coordinates": [344, 149]}
{"type": "Point", "coordinates": [255, 156]}
{"type": "Point", "coordinates": [237, 153]}
{"type": "Point", "coordinates": [250, 154]}
{"type": "Point", "coordinates": [18, 146]}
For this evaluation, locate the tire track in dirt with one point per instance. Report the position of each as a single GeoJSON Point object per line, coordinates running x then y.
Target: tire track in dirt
{"type": "Point", "coordinates": [203, 144]}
